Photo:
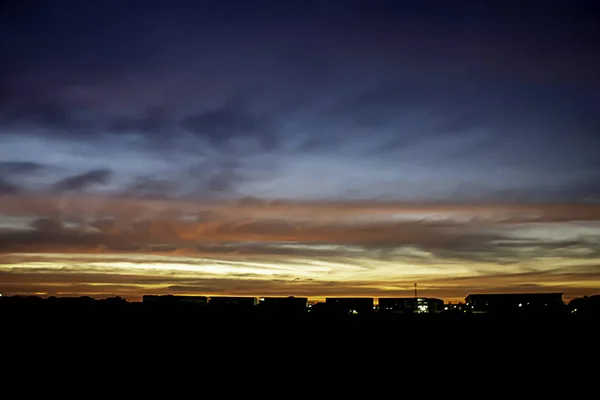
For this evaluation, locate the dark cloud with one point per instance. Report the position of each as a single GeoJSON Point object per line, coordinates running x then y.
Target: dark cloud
{"type": "Point", "coordinates": [151, 188]}
{"type": "Point", "coordinates": [8, 187]}
{"type": "Point", "coordinates": [152, 120]}
{"type": "Point", "coordinates": [47, 225]}
{"type": "Point", "coordinates": [584, 190]}
{"type": "Point", "coordinates": [83, 181]}
{"type": "Point", "coordinates": [456, 104]}
{"type": "Point", "coordinates": [19, 167]}
{"type": "Point", "coordinates": [110, 226]}
{"type": "Point", "coordinates": [223, 125]}
{"type": "Point", "coordinates": [222, 181]}
{"type": "Point", "coordinates": [206, 216]}
{"type": "Point", "coordinates": [218, 175]}
{"type": "Point", "coordinates": [49, 116]}
{"type": "Point", "coordinates": [11, 172]}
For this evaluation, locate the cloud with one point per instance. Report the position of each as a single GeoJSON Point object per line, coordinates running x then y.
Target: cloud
{"type": "Point", "coordinates": [218, 174]}
{"type": "Point", "coordinates": [485, 234]}
{"type": "Point", "coordinates": [20, 167]}
{"type": "Point", "coordinates": [151, 188]}
{"type": "Point", "coordinates": [8, 187]}
{"type": "Point", "coordinates": [83, 181]}
{"type": "Point", "coordinates": [47, 225]}
{"type": "Point", "coordinates": [13, 171]}
{"type": "Point", "coordinates": [222, 125]}
{"type": "Point", "coordinates": [152, 120]}
{"type": "Point", "coordinates": [49, 115]}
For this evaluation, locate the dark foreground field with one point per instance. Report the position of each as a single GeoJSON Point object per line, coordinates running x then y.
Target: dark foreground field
{"type": "Point", "coordinates": [143, 338]}
{"type": "Point", "coordinates": [144, 320]}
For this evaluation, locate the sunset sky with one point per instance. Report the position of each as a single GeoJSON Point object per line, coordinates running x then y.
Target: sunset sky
{"type": "Point", "coordinates": [308, 148]}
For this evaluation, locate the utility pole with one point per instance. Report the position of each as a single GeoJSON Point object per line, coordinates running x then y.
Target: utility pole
{"type": "Point", "coordinates": [416, 291]}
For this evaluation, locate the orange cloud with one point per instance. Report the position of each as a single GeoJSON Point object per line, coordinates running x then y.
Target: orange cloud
{"type": "Point", "coordinates": [98, 245]}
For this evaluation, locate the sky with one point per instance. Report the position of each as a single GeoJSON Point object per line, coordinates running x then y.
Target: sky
{"type": "Point", "coordinates": [308, 148]}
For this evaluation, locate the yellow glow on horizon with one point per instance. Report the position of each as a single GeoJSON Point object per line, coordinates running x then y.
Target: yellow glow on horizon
{"type": "Point", "coordinates": [132, 275]}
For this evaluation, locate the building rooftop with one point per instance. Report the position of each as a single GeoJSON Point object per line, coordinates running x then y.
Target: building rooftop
{"type": "Point", "coordinates": [507, 295]}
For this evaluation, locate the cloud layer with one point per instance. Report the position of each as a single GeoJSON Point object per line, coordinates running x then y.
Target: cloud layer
{"type": "Point", "coordinates": [129, 247]}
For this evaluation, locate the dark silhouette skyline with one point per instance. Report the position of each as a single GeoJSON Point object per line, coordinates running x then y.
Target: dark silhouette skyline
{"type": "Point", "coordinates": [505, 303]}
{"type": "Point", "coordinates": [176, 314]}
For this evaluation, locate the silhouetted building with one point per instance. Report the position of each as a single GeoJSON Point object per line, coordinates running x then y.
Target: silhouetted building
{"type": "Point", "coordinates": [21, 300]}
{"type": "Point", "coordinates": [71, 302]}
{"type": "Point", "coordinates": [174, 300]}
{"type": "Point", "coordinates": [513, 303]}
{"type": "Point", "coordinates": [349, 305]}
{"type": "Point", "coordinates": [456, 307]}
{"type": "Point", "coordinates": [233, 302]}
{"type": "Point", "coordinates": [410, 305]}
{"type": "Point", "coordinates": [116, 300]}
{"type": "Point", "coordinates": [284, 304]}
{"type": "Point", "coordinates": [318, 308]}
{"type": "Point", "coordinates": [585, 306]}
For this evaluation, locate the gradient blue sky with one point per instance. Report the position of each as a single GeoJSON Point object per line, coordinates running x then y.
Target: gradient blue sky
{"type": "Point", "coordinates": [299, 133]}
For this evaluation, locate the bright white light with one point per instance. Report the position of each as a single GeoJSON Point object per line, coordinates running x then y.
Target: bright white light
{"type": "Point", "coordinates": [520, 305]}
{"type": "Point", "coordinates": [445, 308]}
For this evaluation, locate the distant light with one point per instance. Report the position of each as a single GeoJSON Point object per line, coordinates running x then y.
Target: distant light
{"type": "Point", "coordinates": [445, 308]}
{"type": "Point", "coordinates": [520, 305]}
